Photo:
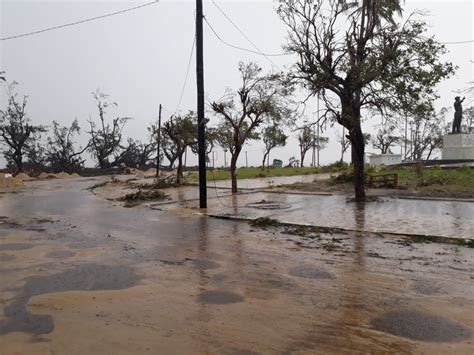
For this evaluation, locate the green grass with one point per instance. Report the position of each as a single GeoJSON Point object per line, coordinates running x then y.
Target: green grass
{"type": "Point", "coordinates": [248, 173]}
{"type": "Point", "coordinates": [433, 178]}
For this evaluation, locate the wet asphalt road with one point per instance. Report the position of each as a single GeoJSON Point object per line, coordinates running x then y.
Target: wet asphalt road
{"type": "Point", "coordinates": [81, 274]}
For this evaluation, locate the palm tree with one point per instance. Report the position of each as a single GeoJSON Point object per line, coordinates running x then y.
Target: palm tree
{"type": "Point", "coordinates": [376, 10]}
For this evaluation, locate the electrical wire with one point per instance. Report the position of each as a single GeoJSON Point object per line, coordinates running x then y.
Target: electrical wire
{"type": "Point", "coordinates": [460, 42]}
{"type": "Point", "coordinates": [186, 77]}
{"type": "Point", "coordinates": [243, 34]}
{"type": "Point", "coordinates": [237, 47]}
{"type": "Point", "coordinates": [78, 22]}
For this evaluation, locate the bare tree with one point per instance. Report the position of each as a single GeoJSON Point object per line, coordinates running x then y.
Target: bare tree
{"type": "Point", "coordinates": [105, 137]}
{"type": "Point", "coordinates": [16, 131]}
{"type": "Point", "coordinates": [272, 137]}
{"type": "Point", "coordinates": [426, 134]}
{"type": "Point", "coordinates": [385, 139]}
{"type": "Point", "coordinates": [61, 153]}
{"type": "Point", "coordinates": [356, 56]}
{"type": "Point", "coordinates": [261, 98]}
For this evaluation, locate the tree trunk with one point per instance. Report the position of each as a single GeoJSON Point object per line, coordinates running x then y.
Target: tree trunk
{"type": "Point", "coordinates": [302, 159]}
{"type": "Point", "coordinates": [233, 170]}
{"type": "Point", "coordinates": [264, 158]}
{"type": "Point", "coordinates": [358, 152]}
{"type": "Point", "coordinates": [179, 172]}
{"type": "Point", "coordinates": [19, 163]}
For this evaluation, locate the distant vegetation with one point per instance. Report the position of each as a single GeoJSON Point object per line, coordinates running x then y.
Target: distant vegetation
{"type": "Point", "coordinates": [248, 173]}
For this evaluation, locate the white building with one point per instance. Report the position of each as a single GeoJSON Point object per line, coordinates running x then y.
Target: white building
{"type": "Point", "coordinates": [385, 159]}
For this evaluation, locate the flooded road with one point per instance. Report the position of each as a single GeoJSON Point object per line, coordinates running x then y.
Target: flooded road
{"type": "Point", "coordinates": [84, 275]}
{"type": "Point", "coordinates": [451, 219]}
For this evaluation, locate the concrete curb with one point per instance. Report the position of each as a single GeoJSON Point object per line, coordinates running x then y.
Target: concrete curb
{"type": "Point", "coordinates": [325, 229]}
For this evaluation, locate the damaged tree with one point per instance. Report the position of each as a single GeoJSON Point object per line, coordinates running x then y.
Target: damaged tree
{"type": "Point", "coordinates": [181, 131]}
{"type": "Point", "coordinates": [272, 137]}
{"type": "Point", "coordinates": [356, 56]}
{"type": "Point", "coordinates": [17, 133]}
{"type": "Point", "coordinates": [385, 139]}
{"type": "Point", "coordinates": [61, 153]}
{"type": "Point", "coordinates": [105, 137]}
{"type": "Point", "coordinates": [136, 154]}
{"type": "Point", "coordinates": [260, 99]}
{"type": "Point", "coordinates": [307, 140]}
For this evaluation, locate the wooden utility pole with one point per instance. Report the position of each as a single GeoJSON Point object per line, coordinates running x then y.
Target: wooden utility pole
{"type": "Point", "coordinates": [200, 105]}
{"type": "Point", "coordinates": [158, 144]}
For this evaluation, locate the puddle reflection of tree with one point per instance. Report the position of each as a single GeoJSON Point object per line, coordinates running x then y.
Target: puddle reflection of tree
{"type": "Point", "coordinates": [353, 281]}
{"type": "Point", "coordinates": [235, 249]}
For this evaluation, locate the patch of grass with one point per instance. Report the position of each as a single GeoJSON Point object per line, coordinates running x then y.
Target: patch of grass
{"type": "Point", "coordinates": [249, 173]}
{"type": "Point", "coordinates": [434, 177]}
{"type": "Point", "coordinates": [98, 185]}
{"type": "Point", "coordinates": [264, 222]}
{"type": "Point", "coordinates": [465, 242]}
{"type": "Point", "coordinates": [301, 231]}
{"type": "Point", "coordinates": [136, 198]}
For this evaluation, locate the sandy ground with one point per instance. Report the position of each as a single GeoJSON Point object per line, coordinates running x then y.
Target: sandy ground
{"type": "Point", "coordinates": [83, 275]}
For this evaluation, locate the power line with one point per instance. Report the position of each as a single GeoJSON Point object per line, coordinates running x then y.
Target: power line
{"type": "Point", "coordinates": [79, 22]}
{"type": "Point", "coordinates": [242, 32]}
{"type": "Point", "coordinates": [460, 42]}
{"type": "Point", "coordinates": [187, 74]}
{"type": "Point", "coordinates": [240, 48]}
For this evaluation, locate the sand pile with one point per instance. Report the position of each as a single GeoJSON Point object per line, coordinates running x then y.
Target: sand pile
{"type": "Point", "coordinates": [10, 182]}
{"type": "Point", "coordinates": [22, 177]}
{"type": "Point", "coordinates": [151, 172]}
{"type": "Point", "coordinates": [63, 175]}
{"type": "Point", "coordinates": [44, 175]}
{"type": "Point", "coordinates": [75, 175]}
{"type": "Point", "coordinates": [138, 173]}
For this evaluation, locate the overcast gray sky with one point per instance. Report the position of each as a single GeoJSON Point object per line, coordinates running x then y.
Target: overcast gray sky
{"type": "Point", "coordinates": [140, 58]}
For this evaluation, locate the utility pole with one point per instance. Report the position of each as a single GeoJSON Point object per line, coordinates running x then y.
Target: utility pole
{"type": "Point", "coordinates": [185, 156]}
{"type": "Point", "coordinates": [158, 143]}
{"type": "Point", "coordinates": [225, 158]}
{"type": "Point", "coordinates": [200, 106]}
{"type": "Point", "coordinates": [246, 160]}
{"type": "Point", "coordinates": [343, 143]}
{"type": "Point", "coordinates": [406, 136]}
{"type": "Point", "coordinates": [318, 130]}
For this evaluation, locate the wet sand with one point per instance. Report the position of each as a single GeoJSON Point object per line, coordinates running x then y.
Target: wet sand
{"type": "Point", "coordinates": [84, 275]}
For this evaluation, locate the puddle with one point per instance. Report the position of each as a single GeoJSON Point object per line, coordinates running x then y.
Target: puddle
{"type": "Point", "coordinates": [421, 326]}
{"type": "Point", "coordinates": [7, 257]}
{"type": "Point", "coordinates": [428, 288]}
{"type": "Point", "coordinates": [205, 264]}
{"type": "Point", "coordinates": [220, 297]}
{"type": "Point", "coordinates": [15, 246]}
{"type": "Point", "coordinates": [60, 254]}
{"type": "Point", "coordinates": [240, 352]}
{"type": "Point", "coordinates": [88, 277]}
{"type": "Point", "coordinates": [312, 273]}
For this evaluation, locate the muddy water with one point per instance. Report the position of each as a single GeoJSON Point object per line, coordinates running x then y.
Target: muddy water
{"type": "Point", "coordinates": [105, 279]}
{"type": "Point", "coordinates": [443, 218]}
